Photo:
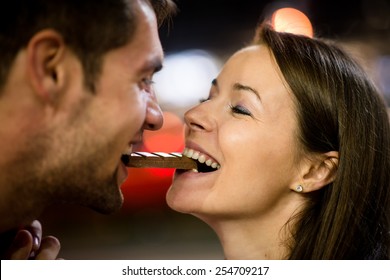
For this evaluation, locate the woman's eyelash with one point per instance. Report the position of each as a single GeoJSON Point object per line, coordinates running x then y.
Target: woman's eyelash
{"type": "Point", "coordinates": [235, 109]}
{"type": "Point", "coordinates": [240, 110]}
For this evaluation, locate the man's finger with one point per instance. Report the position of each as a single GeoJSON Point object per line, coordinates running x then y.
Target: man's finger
{"type": "Point", "coordinates": [35, 228]}
{"type": "Point", "coordinates": [50, 247]}
{"type": "Point", "coordinates": [21, 246]}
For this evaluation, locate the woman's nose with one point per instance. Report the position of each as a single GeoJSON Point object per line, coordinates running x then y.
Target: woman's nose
{"type": "Point", "coordinates": [199, 118]}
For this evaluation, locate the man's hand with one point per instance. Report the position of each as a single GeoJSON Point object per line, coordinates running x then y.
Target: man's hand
{"type": "Point", "coordinates": [29, 244]}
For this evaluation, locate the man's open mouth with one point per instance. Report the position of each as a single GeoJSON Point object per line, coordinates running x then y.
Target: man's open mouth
{"type": "Point", "coordinates": [125, 159]}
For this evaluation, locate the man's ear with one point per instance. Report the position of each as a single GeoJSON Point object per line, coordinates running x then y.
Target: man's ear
{"type": "Point", "coordinates": [320, 172]}
{"type": "Point", "coordinates": [45, 54]}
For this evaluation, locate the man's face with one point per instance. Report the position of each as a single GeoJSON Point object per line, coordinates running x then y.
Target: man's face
{"type": "Point", "coordinates": [123, 105]}
{"type": "Point", "coordinates": [84, 166]}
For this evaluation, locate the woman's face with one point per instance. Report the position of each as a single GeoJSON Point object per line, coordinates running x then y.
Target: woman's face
{"type": "Point", "coordinates": [248, 128]}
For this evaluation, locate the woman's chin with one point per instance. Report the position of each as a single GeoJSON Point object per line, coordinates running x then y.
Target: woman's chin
{"type": "Point", "coordinates": [177, 201]}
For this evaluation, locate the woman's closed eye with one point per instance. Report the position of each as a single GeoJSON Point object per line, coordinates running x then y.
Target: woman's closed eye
{"type": "Point", "coordinates": [238, 109]}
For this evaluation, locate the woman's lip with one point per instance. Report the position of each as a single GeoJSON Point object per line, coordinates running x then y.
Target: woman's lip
{"type": "Point", "coordinates": [209, 160]}
{"type": "Point", "coordinates": [190, 173]}
{"type": "Point", "coordinates": [196, 147]}
{"type": "Point", "coordinates": [201, 160]}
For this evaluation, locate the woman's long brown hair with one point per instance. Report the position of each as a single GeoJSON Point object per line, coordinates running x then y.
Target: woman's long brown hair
{"type": "Point", "coordinates": [338, 109]}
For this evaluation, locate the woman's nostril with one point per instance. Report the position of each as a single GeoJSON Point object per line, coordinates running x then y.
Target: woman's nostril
{"type": "Point", "coordinates": [197, 126]}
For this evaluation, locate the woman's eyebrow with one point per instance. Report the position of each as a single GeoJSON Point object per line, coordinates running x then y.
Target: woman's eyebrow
{"type": "Point", "coordinates": [238, 86]}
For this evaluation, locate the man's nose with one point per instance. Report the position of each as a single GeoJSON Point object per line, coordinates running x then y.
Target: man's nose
{"type": "Point", "coordinates": [154, 116]}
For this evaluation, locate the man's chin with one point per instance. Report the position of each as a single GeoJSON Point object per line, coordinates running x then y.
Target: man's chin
{"type": "Point", "coordinates": [109, 206]}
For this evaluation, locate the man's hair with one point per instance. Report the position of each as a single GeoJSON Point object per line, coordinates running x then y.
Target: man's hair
{"type": "Point", "coordinates": [90, 28]}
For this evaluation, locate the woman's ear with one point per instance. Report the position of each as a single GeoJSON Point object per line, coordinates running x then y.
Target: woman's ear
{"type": "Point", "coordinates": [45, 53]}
{"type": "Point", "coordinates": [319, 172]}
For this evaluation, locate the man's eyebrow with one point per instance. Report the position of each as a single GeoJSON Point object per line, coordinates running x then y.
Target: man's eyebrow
{"type": "Point", "coordinates": [154, 65]}
{"type": "Point", "coordinates": [238, 86]}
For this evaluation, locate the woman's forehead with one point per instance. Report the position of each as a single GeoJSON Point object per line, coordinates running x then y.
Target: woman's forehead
{"type": "Point", "coordinates": [254, 63]}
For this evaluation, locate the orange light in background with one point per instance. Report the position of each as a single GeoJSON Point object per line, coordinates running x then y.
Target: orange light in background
{"type": "Point", "coordinates": [146, 187]}
{"type": "Point", "coordinates": [291, 20]}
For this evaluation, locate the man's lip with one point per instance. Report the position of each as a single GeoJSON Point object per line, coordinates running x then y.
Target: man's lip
{"type": "Point", "coordinates": [137, 139]}
{"type": "Point", "coordinates": [125, 159]}
{"type": "Point", "coordinates": [122, 173]}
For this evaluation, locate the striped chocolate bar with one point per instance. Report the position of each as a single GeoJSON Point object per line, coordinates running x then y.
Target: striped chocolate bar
{"type": "Point", "coordinates": [158, 160]}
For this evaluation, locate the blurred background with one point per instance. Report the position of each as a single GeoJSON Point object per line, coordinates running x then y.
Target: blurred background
{"type": "Point", "coordinates": [200, 37]}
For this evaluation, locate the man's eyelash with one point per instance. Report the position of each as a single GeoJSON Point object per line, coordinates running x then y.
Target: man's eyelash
{"type": "Point", "coordinates": [147, 81]}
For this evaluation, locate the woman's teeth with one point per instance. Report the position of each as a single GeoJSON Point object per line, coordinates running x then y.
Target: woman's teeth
{"type": "Point", "coordinates": [201, 158]}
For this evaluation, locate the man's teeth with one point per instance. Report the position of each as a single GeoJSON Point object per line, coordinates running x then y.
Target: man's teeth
{"type": "Point", "coordinates": [201, 158]}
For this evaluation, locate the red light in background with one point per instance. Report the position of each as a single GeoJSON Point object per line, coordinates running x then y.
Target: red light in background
{"type": "Point", "coordinates": [170, 138]}
{"type": "Point", "coordinates": [146, 187]}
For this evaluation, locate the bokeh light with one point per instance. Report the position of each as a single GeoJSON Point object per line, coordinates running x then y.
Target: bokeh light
{"type": "Point", "coordinates": [291, 20]}
{"type": "Point", "coordinates": [185, 79]}
{"type": "Point", "coordinates": [383, 76]}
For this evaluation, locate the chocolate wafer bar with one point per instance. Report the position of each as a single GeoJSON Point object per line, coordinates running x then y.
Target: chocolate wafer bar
{"type": "Point", "coordinates": [159, 160]}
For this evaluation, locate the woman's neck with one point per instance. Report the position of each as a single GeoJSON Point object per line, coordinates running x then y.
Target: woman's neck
{"type": "Point", "coordinates": [251, 239]}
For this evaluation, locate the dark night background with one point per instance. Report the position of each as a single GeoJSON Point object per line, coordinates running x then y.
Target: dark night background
{"type": "Point", "coordinates": [146, 228]}
{"type": "Point", "coordinates": [224, 24]}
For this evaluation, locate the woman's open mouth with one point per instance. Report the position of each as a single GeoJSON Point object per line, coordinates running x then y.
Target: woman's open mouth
{"type": "Point", "coordinates": [204, 162]}
{"type": "Point", "coordinates": [190, 159]}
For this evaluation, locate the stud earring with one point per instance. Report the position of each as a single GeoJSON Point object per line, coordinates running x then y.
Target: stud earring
{"type": "Point", "coordinates": [299, 188]}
